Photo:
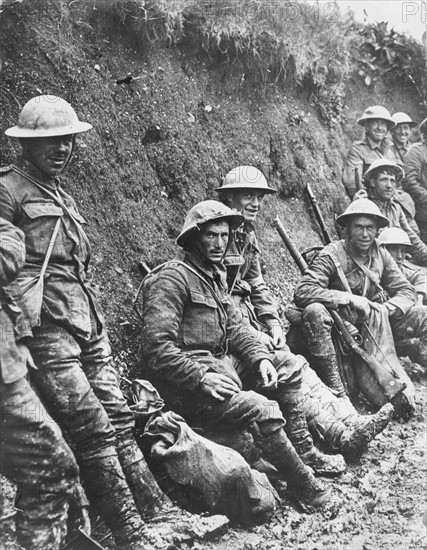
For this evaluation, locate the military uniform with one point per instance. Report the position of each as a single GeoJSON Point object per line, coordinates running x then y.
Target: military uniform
{"type": "Point", "coordinates": [33, 453]}
{"type": "Point", "coordinates": [70, 347]}
{"type": "Point", "coordinates": [416, 182]}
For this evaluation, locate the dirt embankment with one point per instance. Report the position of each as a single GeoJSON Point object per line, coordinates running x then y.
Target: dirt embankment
{"type": "Point", "coordinates": [161, 143]}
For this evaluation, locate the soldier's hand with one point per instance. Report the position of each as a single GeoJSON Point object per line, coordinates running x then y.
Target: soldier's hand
{"type": "Point", "coordinates": [268, 375]}
{"type": "Point", "coordinates": [361, 304]}
{"type": "Point", "coordinates": [218, 386]}
{"type": "Point", "coordinates": [277, 336]}
{"type": "Point", "coordinates": [361, 194]}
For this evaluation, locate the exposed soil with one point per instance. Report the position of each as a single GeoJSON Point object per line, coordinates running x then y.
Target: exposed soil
{"type": "Point", "coordinates": [160, 144]}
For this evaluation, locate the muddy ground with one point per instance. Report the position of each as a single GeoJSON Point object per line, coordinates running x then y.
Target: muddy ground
{"type": "Point", "coordinates": [160, 144]}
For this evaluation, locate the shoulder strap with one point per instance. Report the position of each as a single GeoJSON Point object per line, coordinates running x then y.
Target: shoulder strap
{"type": "Point", "coordinates": [50, 248]}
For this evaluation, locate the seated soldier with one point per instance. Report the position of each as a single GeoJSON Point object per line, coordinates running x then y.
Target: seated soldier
{"type": "Point", "coordinates": [190, 324]}
{"type": "Point", "coordinates": [400, 135]}
{"type": "Point", "coordinates": [380, 181]}
{"type": "Point", "coordinates": [416, 178]}
{"type": "Point", "coordinates": [362, 281]}
{"type": "Point", "coordinates": [334, 417]}
{"type": "Point", "coordinates": [33, 453]}
{"type": "Point", "coordinates": [397, 242]}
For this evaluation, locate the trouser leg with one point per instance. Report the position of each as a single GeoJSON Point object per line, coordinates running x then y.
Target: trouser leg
{"type": "Point", "coordinates": [70, 399]}
{"type": "Point", "coordinates": [35, 456]}
{"type": "Point", "coordinates": [410, 334]}
{"type": "Point", "coordinates": [316, 329]}
{"type": "Point", "coordinates": [98, 366]}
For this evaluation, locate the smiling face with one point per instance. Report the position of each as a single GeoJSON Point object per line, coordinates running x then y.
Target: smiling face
{"type": "Point", "coordinates": [376, 129]}
{"type": "Point", "coordinates": [361, 231]}
{"type": "Point", "coordinates": [401, 133]}
{"type": "Point", "coordinates": [49, 154]}
{"type": "Point", "coordinates": [248, 203]}
{"type": "Point", "coordinates": [213, 241]}
{"type": "Point", "coordinates": [383, 185]}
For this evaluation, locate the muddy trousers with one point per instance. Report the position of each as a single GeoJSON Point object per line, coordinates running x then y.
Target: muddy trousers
{"type": "Point", "coordinates": [34, 455]}
{"type": "Point", "coordinates": [410, 334]}
{"type": "Point", "coordinates": [70, 369]}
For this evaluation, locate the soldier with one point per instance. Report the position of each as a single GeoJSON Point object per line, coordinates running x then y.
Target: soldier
{"type": "Point", "coordinates": [75, 376]}
{"type": "Point", "coordinates": [362, 281]}
{"type": "Point", "coordinates": [333, 417]}
{"type": "Point", "coordinates": [416, 178]}
{"type": "Point", "coordinates": [190, 324]}
{"type": "Point", "coordinates": [400, 135]}
{"type": "Point", "coordinates": [380, 181]}
{"type": "Point", "coordinates": [397, 242]}
{"type": "Point", "coordinates": [377, 122]}
{"type": "Point", "coordinates": [34, 454]}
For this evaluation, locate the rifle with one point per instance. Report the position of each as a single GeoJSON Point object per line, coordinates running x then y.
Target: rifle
{"type": "Point", "coordinates": [358, 178]}
{"type": "Point", "coordinates": [144, 270]}
{"type": "Point", "coordinates": [381, 374]}
{"type": "Point", "coordinates": [318, 214]}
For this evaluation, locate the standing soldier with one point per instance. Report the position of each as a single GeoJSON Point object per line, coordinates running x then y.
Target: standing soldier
{"type": "Point", "coordinates": [302, 394]}
{"type": "Point", "coordinates": [416, 179]}
{"type": "Point", "coordinates": [375, 144]}
{"type": "Point", "coordinates": [70, 346]}
{"type": "Point", "coordinates": [33, 453]}
{"type": "Point", "coordinates": [190, 324]}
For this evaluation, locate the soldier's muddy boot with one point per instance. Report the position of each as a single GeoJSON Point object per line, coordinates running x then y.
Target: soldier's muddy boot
{"type": "Point", "coordinates": [302, 487]}
{"type": "Point", "coordinates": [326, 367]}
{"type": "Point", "coordinates": [290, 400]}
{"type": "Point", "coordinates": [354, 440]}
{"type": "Point", "coordinates": [107, 490]}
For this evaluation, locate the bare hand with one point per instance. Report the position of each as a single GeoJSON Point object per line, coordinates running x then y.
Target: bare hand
{"type": "Point", "coordinates": [219, 386]}
{"type": "Point", "coordinates": [85, 525]}
{"type": "Point", "coordinates": [268, 375]}
{"type": "Point", "coordinates": [362, 305]}
{"type": "Point", "coordinates": [277, 336]}
{"type": "Point", "coordinates": [361, 194]}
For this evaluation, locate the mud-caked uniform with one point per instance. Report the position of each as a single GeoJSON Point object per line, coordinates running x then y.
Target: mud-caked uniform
{"type": "Point", "coordinates": [375, 276]}
{"type": "Point", "coordinates": [415, 183]}
{"type": "Point", "coordinates": [396, 216]}
{"type": "Point", "coordinates": [33, 452]}
{"type": "Point", "coordinates": [363, 153]}
{"type": "Point", "coordinates": [70, 346]}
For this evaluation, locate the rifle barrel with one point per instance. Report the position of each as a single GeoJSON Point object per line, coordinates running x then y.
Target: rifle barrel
{"type": "Point", "coordinates": [290, 245]}
{"type": "Point", "coordinates": [319, 217]}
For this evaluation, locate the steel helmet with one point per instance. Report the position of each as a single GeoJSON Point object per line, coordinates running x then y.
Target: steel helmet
{"type": "Point", "coordinates": [394, 235]}
{"type": "Point", "coordinates": [245, 177]}
{"type": "Point", "coordinates": [206, 212]}
{"type": "Point", "coordinates": [384, 164]}
{"type": "Point", "coordinates": [47, 116]}
{"type": "Point", "coordinates": [376, 111]}
{"type": "Point", "coordinates": [403, 118]}
{"type": "Point", "coordinates": [362, 207]}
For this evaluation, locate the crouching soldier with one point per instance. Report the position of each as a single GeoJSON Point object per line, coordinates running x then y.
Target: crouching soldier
{"type": "Point", "coordinates": [75, 376]}
{"type": "Point", "coordinates": [302, 394]}
{"type": "Point", "coordinates": [34, 454]}
{"type": "Point", "coordinates": [397, 242]}
{"type": "Point", "coordinates": [190, 324]}
{"type": "Point", "coordinates": [361, 280]}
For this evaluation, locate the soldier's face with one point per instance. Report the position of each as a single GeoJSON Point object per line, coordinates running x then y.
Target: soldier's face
{"type": "Point", "coordinates": [49, 154]}
{"type": "Point", "coordinates": [213, 241]}
{"type": "Point", "coordinates": [376, 129]}
{"type": "Point", "coordinates": [248, 203]}
{"type": "Point", "coordinates": [362, 231]}
{"type": "Point", "coordinates": [383, 186]}
{"type": "Point", "coordinates": [401, 133]}
{"type": "Point", "coordinates": [397, 251]}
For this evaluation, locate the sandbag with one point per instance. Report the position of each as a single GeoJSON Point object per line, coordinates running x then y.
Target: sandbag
{"type": "Point", "coordinates": [221, 477]}
{"type": "Point", "coordinates": [378, 341]}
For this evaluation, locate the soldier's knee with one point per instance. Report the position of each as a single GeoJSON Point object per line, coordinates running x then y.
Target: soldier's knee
{"type": "Point", "coordinates": [317, 313]}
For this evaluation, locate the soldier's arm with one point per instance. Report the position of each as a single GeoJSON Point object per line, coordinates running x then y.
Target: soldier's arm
{"type": "Point", "coordinates": [402, 293]}
{"type": "Point", "coordinates": [419, 249]}
{"type": "Point", "coordinates": [314, 285]}
{"type": "Point", "coordinates": [7, 205]}
{"type": "Point", "coordinates": [412, 182]}
{"type": "Point", "coordinates": [164, 299]}
{"type": "Point", "coordinates": [12, 251]}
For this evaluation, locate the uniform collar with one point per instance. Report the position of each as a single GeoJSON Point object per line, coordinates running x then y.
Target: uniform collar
{"type": "Point", "coordinates": [31, 170]}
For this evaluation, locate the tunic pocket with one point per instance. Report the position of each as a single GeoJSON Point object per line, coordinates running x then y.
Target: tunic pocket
{"type": "Point", "coordinates": [200, 328]}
